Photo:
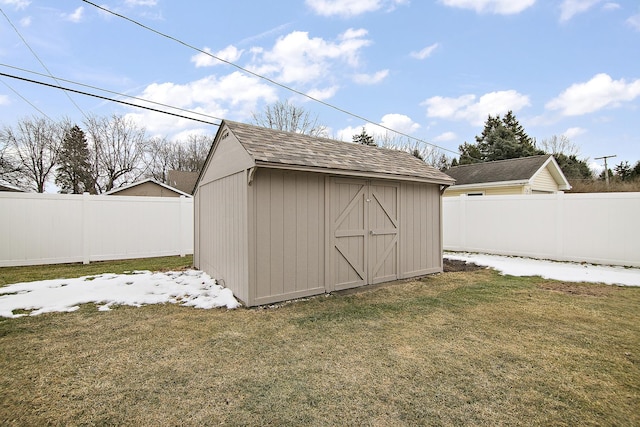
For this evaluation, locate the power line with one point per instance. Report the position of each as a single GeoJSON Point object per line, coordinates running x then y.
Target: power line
{"type": "Point", "coordinates": [41, 63]}
{"type": "Point", "coordinates": [25, 99]}
{"type": "Point", "coordinates": [106, 98]}
{"type": "Point", "coordinates": [113, 92]}
{"type": "Point", "coordinates": [283, 86]}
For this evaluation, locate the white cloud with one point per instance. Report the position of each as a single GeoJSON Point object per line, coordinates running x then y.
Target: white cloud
{"type": "Point", "coordinates": [25, 22]}
{"type": "Point", "coordinates": [4, 100]}
{"type": "Point", "coordinates": [447, 136]}
{"type": "Point", "coordinates": [133, 3]}
{"type": "Point", "coordinates": [18, 4]}
{"type": "Point", "coordinates": [473, 110]}
{"type": "Point", "coordinates": [300, 59]}
{"type": "Point", "coordinates": [322, 94]}
{"type": "Point", "coordinates": [347, 8]}
{"type": "Point", "coordinates": [426, 52]}
{"type": "Point", "coordinates": [611, 6]}
{"type": "Point", "coordinates": [573, 132]}
{"type": "Point", "coordinates": [371, 79]}
{"type": "Point", "coordinates": [229, 53]}
{"type": "Point", "coordinates": [76, 16]}
{"type": "Point", "coordinates": [634, 21]}
{"type": "Point", "coordinates": [599, 92]}
{"type": "Point", "coordinates": [232, 96]}
{"type": "Point", "coordinates": [569, 8]}
{"type": "Point", "coordinates": [501, 7]}
{"type": "Point", "coordinates": [398, 122]}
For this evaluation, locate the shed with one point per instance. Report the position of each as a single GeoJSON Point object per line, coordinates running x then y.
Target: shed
{"type": "Point", "coordinates": [148, 187]}
{"type": "Point", "coordinates": [282, 215]}
{"type": "Point", "coordinates": [524, 175]}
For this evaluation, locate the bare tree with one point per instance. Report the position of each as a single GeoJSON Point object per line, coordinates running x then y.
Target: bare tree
{"type": "Point", "coordinates": [189, 156]}
{"type": "Point", "coordinates": [33, 146]}
{"type": "Point", "coordinates": [560, 145]}
{"type": "Point", "coordinates": [429, 154]}
{"type": "Point", "coordinates": [118, 147]}
{"type": "Point", "coordinates": [291, 118]}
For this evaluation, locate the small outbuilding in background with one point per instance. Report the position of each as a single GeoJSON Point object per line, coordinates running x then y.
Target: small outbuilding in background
{"type": "Point", "coordinates": [281, 215]}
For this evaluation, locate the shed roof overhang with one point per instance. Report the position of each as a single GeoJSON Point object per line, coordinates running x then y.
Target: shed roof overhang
{"type": "Point", "coordinates": [352, 173]}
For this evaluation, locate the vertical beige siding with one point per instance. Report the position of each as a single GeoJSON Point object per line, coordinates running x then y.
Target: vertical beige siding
{"type": "Point", "coordinates": [288, 215]}
{"type": "Point", "coordinates": [420, 237]}
{"type": "Point", "coordinates": [544, 182]}
{"type": "Point", "coordinates": [222, 240]}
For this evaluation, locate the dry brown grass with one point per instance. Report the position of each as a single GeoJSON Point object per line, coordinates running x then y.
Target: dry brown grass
{"type": "Point", "coordinates": [461, 348]}
{"type": "Point", "coordinates": [615, 186]}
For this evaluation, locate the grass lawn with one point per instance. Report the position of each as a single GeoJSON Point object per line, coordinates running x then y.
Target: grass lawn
{"type": "Point", "coordinates": [9, 275]}
{"type": "Point", "coordinates": [459, 348]}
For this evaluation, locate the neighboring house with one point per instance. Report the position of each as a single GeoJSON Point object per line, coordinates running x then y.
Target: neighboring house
{"type": "Point", "coordinates": [182, 180]}
{"type": "Point", "coordinates": [148, 187]}
{"type": "Point", "coordinates": [525, 175]}
{"type": "Point", "coordinates": [282, 215]}
{"type": "Point", "coordinates": [5, 186]}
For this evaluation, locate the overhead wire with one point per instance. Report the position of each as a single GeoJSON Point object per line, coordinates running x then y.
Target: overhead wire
{"type": "Point", "coordinates": [106, 98]}
{"type": "Point", "coordinates": [184, 110]}
{"type": "Point", "coordinates": [41, 63]}
{"type": "Point", "coordinates": [274, 82]}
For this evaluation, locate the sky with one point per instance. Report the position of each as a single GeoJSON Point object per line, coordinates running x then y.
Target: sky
{"type": "Point", "coordinates": [433, 70]}
{"type": "Point", "coordinates": [196, 289]}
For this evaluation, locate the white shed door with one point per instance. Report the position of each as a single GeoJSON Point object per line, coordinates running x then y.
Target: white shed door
{"type": "Point", "coordinates": [363, 232]}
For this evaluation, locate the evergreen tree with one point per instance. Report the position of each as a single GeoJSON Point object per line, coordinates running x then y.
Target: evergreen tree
{"type": "Point", "coordinates": [74, 173]}
{"type": "Point", "coordinates": [503, 139]}
{"type": "Point", "coordinates": [469, 153]}
{"type": "Point", "coordinates": [364, 138]}
{"type": "Point", "coordinates": [624, 172]}
{"type": "Point", "coordinates": [572, 167]}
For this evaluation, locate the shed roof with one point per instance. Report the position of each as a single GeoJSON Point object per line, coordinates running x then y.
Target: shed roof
{"type": "Point", "coordinates": [276, 148]}
{"type": "Point", "coordinates": [520, 169]}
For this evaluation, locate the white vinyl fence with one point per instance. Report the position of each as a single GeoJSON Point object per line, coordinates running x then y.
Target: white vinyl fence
{"type": "Point", "coordinates": [601, 228]}
{"type": "Point", "coordinates": [61, 228]}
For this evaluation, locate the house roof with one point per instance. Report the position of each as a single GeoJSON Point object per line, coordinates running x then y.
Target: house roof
{"type": "Point", "coordinates": [5, 186]}
{"type": "Point", "coordinates": [276, 148]}
{"type": "Point", "coordinates": [182, 180]}
{"type": "Point", "coordinates": [520, 170]}
{"type": "Point", "coordinates": [144, 181]}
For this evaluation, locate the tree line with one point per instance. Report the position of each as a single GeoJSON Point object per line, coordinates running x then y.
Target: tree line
{"type": "Point", "coordinates": [103, 154]}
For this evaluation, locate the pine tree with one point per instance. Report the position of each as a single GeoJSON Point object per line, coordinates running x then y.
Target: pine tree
{"type": "Point", "coordinates": [74, 173]}
{"type": "Point", "coordinates": [364, 138]}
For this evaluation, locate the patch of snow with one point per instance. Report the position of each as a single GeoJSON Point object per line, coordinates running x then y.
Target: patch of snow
{"type": "Point", "coordinates": [192, 288]}
{"type": "Point", "coordinates": [565, 271]}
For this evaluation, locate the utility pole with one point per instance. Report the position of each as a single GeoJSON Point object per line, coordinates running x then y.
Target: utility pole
{"type": "Point", "coordinates": [606, 169]}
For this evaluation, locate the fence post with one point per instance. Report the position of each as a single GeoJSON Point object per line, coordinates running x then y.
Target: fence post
{"type": "Point", "coordinates": [181, 229]}
{"type": "Point", "coordinates": [85, 228]}
{"type": "Point", "coordinates": [559, 225]}
{"type": "Point", "coordinates": [463, 221]}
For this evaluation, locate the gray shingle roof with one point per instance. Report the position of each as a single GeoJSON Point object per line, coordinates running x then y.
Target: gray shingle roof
{"type": "Point", "coordinates": [277, 147]}
{"type": "Point", "coordinates": [499, 171]}
{"type": "Point", "coordinates": [182, 180]}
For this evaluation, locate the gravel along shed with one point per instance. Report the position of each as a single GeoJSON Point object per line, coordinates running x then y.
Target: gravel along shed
{"type": "Point", "coordinates": [281, 215]}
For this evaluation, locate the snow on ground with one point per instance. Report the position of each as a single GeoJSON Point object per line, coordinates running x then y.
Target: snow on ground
{"type": "Point", "coordinates": [566, 271]}
{"type": "Point", "coordinates": [197, 289]}
{"type": "Point", "coordinates": [190, 288]}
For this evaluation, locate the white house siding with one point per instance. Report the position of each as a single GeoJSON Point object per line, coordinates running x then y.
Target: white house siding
{"type": "Point", "coordinates": [420, 235]}
{"type": "Point", "coordinates": [221, 230]}
{"type": "Point", "coordinates": [288, 236]}
{"type": "Point", "coordinates": [544, 182]}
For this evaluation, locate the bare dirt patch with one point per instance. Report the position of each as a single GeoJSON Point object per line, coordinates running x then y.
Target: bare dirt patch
{"type": "Point", "coordinates": [584, 289]}
{"type": "Point", "coordinates": [453, 265]}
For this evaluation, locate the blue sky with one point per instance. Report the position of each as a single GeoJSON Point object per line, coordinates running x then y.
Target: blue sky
{"type": "Point", "coordinates": [430, 69]}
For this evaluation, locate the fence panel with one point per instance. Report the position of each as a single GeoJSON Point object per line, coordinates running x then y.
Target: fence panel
{"type": "Point", "coordinates": [61, 228]}
{"type": "Point", "coordinates": [601, 228]}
